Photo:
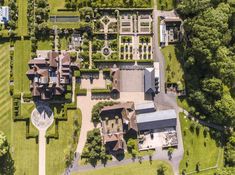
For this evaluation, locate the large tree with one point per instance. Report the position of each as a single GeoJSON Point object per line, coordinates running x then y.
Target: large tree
{"type": "Point", "coordinates": [6, 162]}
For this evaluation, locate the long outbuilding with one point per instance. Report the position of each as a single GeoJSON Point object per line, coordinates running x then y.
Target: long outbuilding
{"type": "Point", "coordinates": [156, 120]}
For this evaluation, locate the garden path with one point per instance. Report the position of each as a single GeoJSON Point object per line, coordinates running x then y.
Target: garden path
{"type": "Point", "coordinates": [42, 152]}
{"type": "Point", "coordinates": [42, 118]}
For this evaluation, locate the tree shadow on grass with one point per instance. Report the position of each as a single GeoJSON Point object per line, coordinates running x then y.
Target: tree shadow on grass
{"type": "Point", "coordinates": [7, 164]}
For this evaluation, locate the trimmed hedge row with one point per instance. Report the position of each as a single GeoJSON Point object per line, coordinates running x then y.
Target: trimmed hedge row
{"type": "Point", "coordinates": [82, 92]}
{"type": "Point", "coordinates": [114, 61]}
{"type": "Point", "coordinates": [100, 91]}
{"type": "Point", "coordinates": [89, 70]}
{"type": "Point", "coordinates": [123, 61]}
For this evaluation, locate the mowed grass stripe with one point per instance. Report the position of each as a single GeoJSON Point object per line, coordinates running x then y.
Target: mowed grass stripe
{"type": "Point", "coordinates": [5, 99]}
{"type": "Point", "coordinates": [21, 58]}
{"type": "Point", "coordinates": [22, 19]}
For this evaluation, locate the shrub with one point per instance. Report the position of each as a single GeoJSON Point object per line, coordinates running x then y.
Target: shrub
{"type": "Point", "coordinates": [77, 74]}
{"type": "Point", "coordinates": [68, 96]}
{"type": "Point", "coordinates": [131, 145]}
{"type": "Point", "coordinates": [69, 87]}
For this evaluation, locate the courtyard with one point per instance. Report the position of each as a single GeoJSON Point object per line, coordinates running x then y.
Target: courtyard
{"type": "Point", "coordinates": [132, 81]}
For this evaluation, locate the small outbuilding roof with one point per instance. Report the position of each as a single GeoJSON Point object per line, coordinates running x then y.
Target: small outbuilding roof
{"type": "Point", "coordinates": [144, 106]}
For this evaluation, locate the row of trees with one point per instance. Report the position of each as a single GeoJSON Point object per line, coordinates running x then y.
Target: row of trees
{"type": "Point", "coordinates": [13, 13]}
{"type": "Point", "coordinates": [209, 63]}
{"type": "Point", "coordinates": [107, 3]}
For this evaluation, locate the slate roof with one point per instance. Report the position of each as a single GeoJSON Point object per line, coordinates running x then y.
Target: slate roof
{"type": "Point", "coordinates": [149, 80]}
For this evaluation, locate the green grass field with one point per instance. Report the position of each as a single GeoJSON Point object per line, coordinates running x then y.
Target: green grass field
{"type": "Point", "coordinates": [174, 71]}
{"type": "Point", "coordinates": [21, 58]}
{"type": "Point", "coordinates": [55, 5]}
{"type": "Point", "coordinates": [22, 18]}
{"type": "Point", "coordinates": [195, 150]}
{"type": "Point", "coordinates": [131, 169]}
{"type": "Point", "coordinates": [5, 98]}
{"type": "Point", "coordinates": [24, 152]}
{"type": "Point", "coordinates": [55, 163]}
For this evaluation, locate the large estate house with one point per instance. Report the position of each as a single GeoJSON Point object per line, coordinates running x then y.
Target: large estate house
{"type": "Point", "coordinates": [49, 76]}
{"type": "Point", "coordinates": [116, 121]}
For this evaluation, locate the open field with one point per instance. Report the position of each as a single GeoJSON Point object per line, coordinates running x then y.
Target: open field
{"type": "Point", "coordinates": [22, 18]}
{"type": "Point", "coordinates": [131, 169]}
{"type": "Point", "coordinates": [198, 148]}
{"type": "Point", "coordinates": [21, 58]}
{"type": "Point", "coordinates": [55, 150]}
{"type": "Point", "coordinates": [174, 71]}
{"type": "Point", "coordinates": [24, 152]}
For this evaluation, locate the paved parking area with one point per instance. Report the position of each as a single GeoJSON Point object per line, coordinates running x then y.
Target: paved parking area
{"type": "Point", "coordinates": [132, 80]}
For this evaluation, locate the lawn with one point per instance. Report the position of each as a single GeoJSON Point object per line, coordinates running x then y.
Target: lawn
{"type": "Point", "coordinates": [24, 152]}
{"type": "Point", "coordinates": [60, 4]}
{"type": "Point", "coordinates": [55, 5]}
{"type": "Point", "coordinates": [5, 98]}
{"type": "Point", "coordinates": [44, 45]}
{"type": "Point", "coordinates": [22, 18]}
{"type": "Point", "coordinates": [195, 148]}
{"type": "Point", "coordinates": [174, 71]}
{"type": "Point", "coordinates": [131, 169]}
{"type": "Point", "coordinates": [165, 4]}
{"type": "Point", "coordinates": [64, 43]}
{"type": "Point", "coordinates": [55, 163]}
{"type": "Point", "coordinates": [21, 58]}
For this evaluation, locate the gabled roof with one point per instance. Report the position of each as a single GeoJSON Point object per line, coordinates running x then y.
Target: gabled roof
{"type": "Point", "coordinates": [149, 80]}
